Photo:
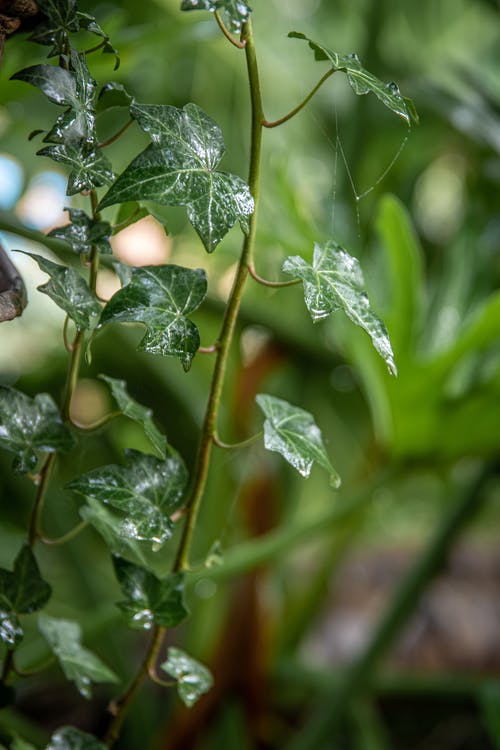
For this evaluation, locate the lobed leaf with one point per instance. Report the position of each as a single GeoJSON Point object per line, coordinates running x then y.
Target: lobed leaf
{"type": "Point", "coordinates": [111, 95]}
{"type": "Point", "coordinates": [293, 432]}
{"type": "Point", "coordinates": [69, 738]}
{"type": "Point", "coordinates": [179, 169]}
{"type": "Point", "coordinates": [83, 231]}
{"type": "Point", "coordinates": [59, 20]}
{"type": "Point", "coordinates": [108, 525]}
{"type": "Point", "coordinates": [90, 168]}
{"type": "Point", "coordinates": [80, 665]}
{"type": "Point", "coordinates": [193, 679]}
{"type": "Point", "coordinates": [28, 425]}
{"type": "Point", "coordinates": [334, 282]}
{"type": "Point", "coordinates": [161, 297]}
{"type": "Point", "coordinates": [236, 12]}
{"type": "Point", "coordinates": [149, 600]}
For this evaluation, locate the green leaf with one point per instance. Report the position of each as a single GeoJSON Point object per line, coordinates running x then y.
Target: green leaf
{"type": "Point", "coordinates": [69, 738]}
{"type": "Point", "coordinates": [149, 600]}
{"type": "Point", "coordinates": [108, 525]}
{"type": "Point", "coordinates": [28, 425]}
{"type": "Point", "coordinates": [11, 632]}
{"type": "Point", "coordinates": [111, 95]}
{"type": "Point", "coordinates": [24, 588]}
{"type": "Point", "coordinates": [59, 20]}
{"type": "Point", "coordinates": [193, 679]}
{"type": "Point", "coordinates": [80, 665]}
{"type": "Point", "coordinates": [20, 744]}
{"type": "Point", "coordinates": [147, 491]}
{"type": "Point", "coordinates": [69, 291]}
{"type": "Point", "coordinates": [83, 232]}
{"type": "Point", "coordinates": [89, 23]}
{"type": "Point", "coordinates": [236, 12]}
{"type": "Point", "coordinates": [362, 81]}
{"type": "Point", "coordinates": [179, 169]}
{"type": "Point", "coordinates": [161, 297]}
{"type": "Point", "coordinates": [334, 282]}
{"type": "Point", "coordinates": [89, 167]}
{"type": "Point", "coordinates": [128, 213]}
{"type": "Point", "coordinates": [133, 410]}
{"type": "Point", "coordinates": [293, 432]}
{"type": "Point", "coordinates": [58, 84]}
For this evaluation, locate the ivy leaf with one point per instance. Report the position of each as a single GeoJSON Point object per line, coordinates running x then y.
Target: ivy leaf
{"type": "Point", "coordinates": [147, 491]}
{"type": "Point", "coordinates": [83, 232]}
{"type": "Point", "coordinates": [334, 282]}
{"type": "Point", "coordinates": [235, 11]}
{"type": "Point", "coordinates": [362, 81]}
{"type": "Point", "coordinates": [90, 168]}
{"type": "Point", "coordinates": [58, 84]}
{"type": "Point", "coordinates": [28, 425]}
{"type": "Point", "coordinates": [111, 95]}
{"type": "Point", "coordinates": [69, 738]}
{"type": "Point", "coordinates": [161, 297]}
{"type": "Point", "coordinates": [80, 665]}
{"type": "Point", "coordinates": [89, 23]}
{"type": "Point", "coordinates": [59, 20]}
{"type": "Point", "coordinates": [69, 291]}
{"type": "Point", "coordinates": [149, 600]}
{"type": "Point", "coordinates": [293, 432]}
{"type": "Point", "coordinates": [133, 410]}
{"type": "Point", "coordinates": [193, 679]}
{"type": "Point", "coordinates": [108, 524]}
{"type": "Point", "coordinates": [179, 169]}
{"type": "Point", "coordinates": [11, 632]}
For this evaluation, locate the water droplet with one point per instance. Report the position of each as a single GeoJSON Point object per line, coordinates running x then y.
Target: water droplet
{"type": "Point", "coordinates": [394, 88]}
{"type": "Point", "coordinates": [353, 56]}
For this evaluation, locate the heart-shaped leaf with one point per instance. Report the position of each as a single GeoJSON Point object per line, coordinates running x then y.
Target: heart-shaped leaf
{"type": "Point", "coordinates": [293, 432]}
{"type": "Point", "coordinates": [83, 232]}
{"type": "Point", "coordinates": [236, 12]}
{"type": "Point", "coordinates": [133, 410]}
{"type": "Point", "coordinates": [149, 600]}
{"type": "Point", "coordinates": [80, 665]}
{"type": "Point", "coordinates": [69, 738]}
{"type": "Point", "coordinates": [362, 81]}
{"type": "Point", "coordinates": [147, 491]}
{"type": "Point", "coordinates": [179, 169]}
{"type": "Point", "coordinates": [193, 679]}
{"type": "Point", "coordinates": [69, 291]}
{"type": "Point", "coordinates": [161, 297]}
{"type": "Point", "coordinates": [28, 425]}
{"type": "Point", "coordinates": [335, 281]}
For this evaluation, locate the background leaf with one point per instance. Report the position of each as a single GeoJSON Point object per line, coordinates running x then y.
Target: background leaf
{"type": "Point", "coordinates": [235, 12]}
{"type": "Point", "coordinates": [193, 679]}
{"type": "Point", "coordinates": [69, 738]}
{"type": "Point", "coordinates": [82, 232]}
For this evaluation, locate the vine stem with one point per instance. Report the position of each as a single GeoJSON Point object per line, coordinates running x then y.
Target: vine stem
{"type": "Point", "coordinates": [296, 110]}
{"type": "Point", "coordinates": [117, 135]}
{"type": "Point", "coordinates": [67, 537]}
{"type": "Point", "coordinates": [273, 284]}
{"type": "Point", "coordinates": [235, 446]}
{"type": "Point", "coordinates": [227, 34]}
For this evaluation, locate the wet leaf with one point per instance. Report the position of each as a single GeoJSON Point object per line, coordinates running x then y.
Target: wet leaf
{"type": "Point", "coordinates": [83, 232]}
{"type": "Point", "coordinates": [13, 297]}
{"type": "Point", "coordinates": [235, 12]}
{"type": "Point", "coordinates": [11, 632]}
{"type": "Point", "coordinates": [108, 524]}
{"type": "Point", "coordinates": [89, 167]}
{"type": "Point", "coordinates": [161, 297]}
{"type": "Point", "coordinates": [147, 491]}
{"type": "Point", "coordinates": [133, 410]}
{"type": "Point", "coordinates": [179, 169]}
{"type": "Point", "coordinates": [148, 600]}
{"type": "Point", "coordinates": [69, 738]}
{"type": "Point", "coordinates": [69, 291]}
{"type": "Point", "coordinates": [80, 665]}
{"type": "Point", "coordinates": [193, 679]}
{"type": "Point", "coordinates": [89, 23]}
{"type": "Point", "coordinates": [334, 282]}
{"type": "Point", "coordinates": [28, 425]}
{"type": "Point", "coordinates": [111, 95]}
{"type": "Point", "coordinates": [362, 81]}
{"type": "Point", "coordinates": [293, 432]}
{"type": "Point", "coordinates": [59, 20]}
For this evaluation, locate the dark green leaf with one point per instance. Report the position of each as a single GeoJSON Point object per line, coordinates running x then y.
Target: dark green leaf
{"type": "Point", "coordinates": [28, 425]}
{"type": "Point", "coordinates": [334, 282]}
{"type": "Point", "coordinates": [69, 738]}
{"type": "Point", "coordinates": [147, 490]}
{"type": "Point", "coordinates": [7, 696]}
{"type": "Point", "coordinates": [362, 81]}
{"type": "Point", "coordinates": [133, 410]}
{"type": "Point", "coordinates": [58, 84]}
{"type": "Point", "coordinates": [161, 297]}
{"type": "Point", "coordinates": [108, 525]}
{"type": "Point", "coordinates": [59, 19]}
{"type": "Point", "coordinates": [293, 432]}
{"type": "Point", "coordinates": [150, 600]}
{"type": "Point", "coordinates": [90, 24]}
{"type": "Point", "coordinates": [69, 291]}
{"type": "Point", "coordinates": [112, 95]}
{"type": "Point", "coordinates": [80, 665]}
{"type": "Point", "coordinates": [83, 232]}
{"type": "Point", "coordinates": [11, 632]}
{"type": "Point", "coordinates": [90, 168]}
{"type": "Point", "coordinates": [179, 169]}
{"type": "Point", "coordinates": [236, 12]}
{"type": "Point", "coordinates": [193, 679]}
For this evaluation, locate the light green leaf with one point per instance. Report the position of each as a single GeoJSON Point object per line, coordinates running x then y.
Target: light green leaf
{"type": "Point", "coordinates": [179, 169]}
{"type": "Point", "coordinates": [69, 291]}
{"type": "Point", "coordinates": [161, 297]}
{"type": "Point", "coordinates": [149, 600]}
{"type": "Point", "coordinates": [108, 525]}
{"type": "Point", "coordinates": [362, 81]}
{"type": "Point", "coordinates": [83, 232]}
{"type": "Point", "coordinates": [80, 665]}
{"type": "Point", "coordinates": [236, 12]}
{"type": "Point", "coordinates": [293, 432]}
{"type": "Point", "coordinates": [193, 679]}
{"type": "Point", "coordinates": [28, 425]}
{"type": "Point", "coordinates": [133, 410]}
{"type": "Point", "coordinates": [69, 738]}
{"type": "Point", "coordinates": [334, 282]}
{"type": "Point", "coordinates": [147, 491]}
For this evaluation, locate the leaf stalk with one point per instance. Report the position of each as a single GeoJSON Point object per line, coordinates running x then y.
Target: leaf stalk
{"type": "Point", "coordinates": [299, 107]}
{"type": "Point", "coordinates": [238, 44]}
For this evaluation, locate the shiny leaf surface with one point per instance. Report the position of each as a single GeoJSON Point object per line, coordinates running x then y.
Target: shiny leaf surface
{"type": "Point", "coordinates": [11, 632]}
{"type": "Point", "coordinates": [235, 12]}
{"type": "Point", "coordinates": [293, 432]}
{"type": "Point", "coordinates": [89, 167]}
{"type": "Point", "coordinates": [179, 169]}
{"type": "Point", "coordinates": [149, 600]}
{"type": "Point", "coordinates": [334, 282]}
{"type": "Point", "coordinates": [80, 665]}
{"type": "Point", "coordinates": [108, 524]}
{"type": "Point", "coordinates": [69, 738]}
{"type": "Point", "coordinates": [59, 19]}
{"type": "Point", "coordinates": [161, 297]}
{"type": "Point", "coordinates": [83, 232]}
{"type": "Point", "coordinates": [147, 491]}
{"type": "Point", "coordinates": [193, 679]}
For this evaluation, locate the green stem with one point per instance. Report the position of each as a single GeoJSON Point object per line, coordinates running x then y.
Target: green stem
{"type": "Point", "coordinates": [72, 376]}
{"type": "Point", "coordinates": [235, 446]}
{"type": "Point", "coordinates": [117, 135]}
{"type": "Point", "coordinates": [40, 496]}
{"type": "Point", "coordinates": [275, 284]}
{"type": "Point", "coordinates": [67, 537]}
{"type": "Point", "coordinates": [285, 118]}
{"type": "Point", "coordinates": [227, 34]}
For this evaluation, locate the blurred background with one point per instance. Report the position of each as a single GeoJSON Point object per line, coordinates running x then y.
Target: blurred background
{"type": "Point", "coordinates": [288, 612]}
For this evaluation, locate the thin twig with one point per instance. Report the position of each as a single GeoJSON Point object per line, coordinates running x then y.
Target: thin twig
{"type": "Point", "coordinates": [227, 33]}
{"type": "Point", "coordinates": [67, 537]}
{"type": "Point", "coordinates": [235, 446]}
{"type": "Point", "coordinates": [97, 47]}
{"type": "Point", "coordinates": [208, 349]}
{"type": "Point", "coordinates": [98, 423]}
{"type": "Point", "coordinates": [68, 345]}
{"type": "Point", "coordinates": [117, 135]}
{"type": "Point", "coordinates": [274, 284]}
{"type": "Point", "coordinates": [36, 511]}
{"type": "Point", "coordinates": [285, 118]}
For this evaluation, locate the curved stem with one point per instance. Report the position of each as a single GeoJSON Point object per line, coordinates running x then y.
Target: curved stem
{"type": "Point", "coordinates": [67, 344]}
{"type": "Point", "coordinates": [227, 34]}
{"type": "Point", "coordinates": [98, 423]}
{"type": "Point", "coordinates": [274, 284]}
{"type": "Point", "coordinates": [67, 537]}
{"type": "Point", "coordinates": [117, 135]}
{"type": "Point", "coordinates": [96, 48]}
{"type": "Point", "coordinates": [285, 118]}
{"type": "Point", "coordinates": [235, 446]}
{"type": "Point", "coordinates": [36, 511]}
{"type": "Point", "coordinates": [208, 349]}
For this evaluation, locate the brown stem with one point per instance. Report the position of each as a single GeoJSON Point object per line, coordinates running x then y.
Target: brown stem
{"type": "Point", "coordinates": [274, 284]}
{"type": "Point", "coordinates": [117, 135]}
{"type": "Point", "coordinates": [285, 118]}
